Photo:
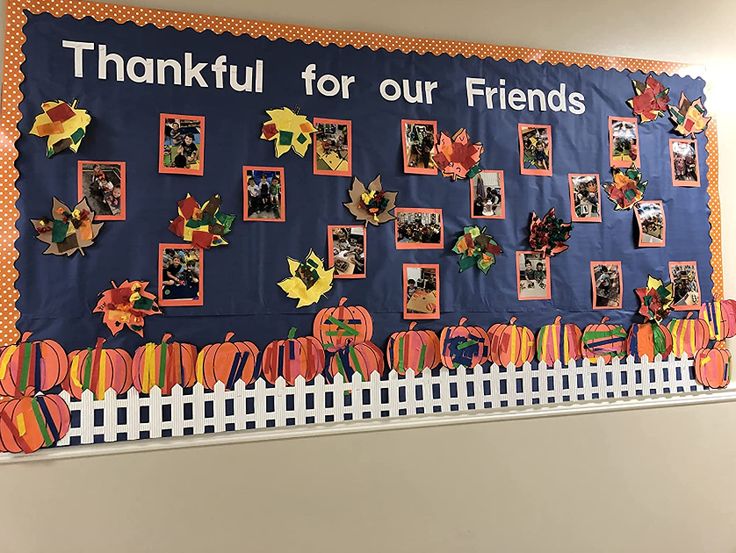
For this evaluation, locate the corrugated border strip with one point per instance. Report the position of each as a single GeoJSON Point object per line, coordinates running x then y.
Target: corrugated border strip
{"type": "Point", "coordinates": [12, 97]}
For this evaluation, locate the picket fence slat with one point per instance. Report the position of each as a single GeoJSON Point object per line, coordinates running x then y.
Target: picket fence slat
{"type": "Point", "coordinates": [259, 405]}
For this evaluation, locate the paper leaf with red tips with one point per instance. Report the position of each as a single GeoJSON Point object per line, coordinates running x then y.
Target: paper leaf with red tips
{"type": "Point", "coordinates": [650, 99]}
{"type": "Point", "coordinates": [548, 234]}
{"type": "Point", "coordinates": [127, 305]}
{"type": "Point", "coordinates": [689, 117]}
{"type": "Point", "coordinates": [288, 130]}
{"type": "Point", "coordinates": [455, 156]}
{"type": "Point", "coordinates": [67, 230]}
{"type": "Point", "coordinates": [202, 225]}
{"type": "Point", "coordinates": [656, 299]}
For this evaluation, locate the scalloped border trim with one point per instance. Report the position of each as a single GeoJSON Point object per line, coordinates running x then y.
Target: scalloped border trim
{"type": "Point", "coordinates": [13, 77]}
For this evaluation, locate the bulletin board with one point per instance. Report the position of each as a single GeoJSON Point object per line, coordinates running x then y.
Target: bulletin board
{"type": "Point", "coordinates": [322, 112]}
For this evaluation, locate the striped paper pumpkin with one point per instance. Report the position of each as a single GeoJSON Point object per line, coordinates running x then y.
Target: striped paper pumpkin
{"type": "Point", "coordinates": [604, 340]}
{"type": "Point", "coordinates": [464, 345]}
{"type": "Point", "coordinates": [720, 316]}
{"type": "Point", "coordinates": [164, 365]}
{"type": "Point", "coordinates": [688, 335]}
{"type": "Point", "coordinates": [364, 358]}
{"type": "Point", "coordinates": [413, 349]}
{"type": "Point", "coordinates": [29, 423]}
{"type": "Point", "coordinates": [511, 344]}
{"type": "Point", "coordinates": [713, 367]}
{"type": "Point", "coordinates": [98, 369]}
{"type": "Point", "coordinates": [339, 326]}
{"type": "Point", "coordinates": [559, 342]}
{"type": "Point", "coordinates": [29, 367]}
{"type": "Point", "coordinates": [293, 357]}
{"type": "Point", "coordinates": [227, 362]}
{"type": "Point", "coordinates": [649, 339]}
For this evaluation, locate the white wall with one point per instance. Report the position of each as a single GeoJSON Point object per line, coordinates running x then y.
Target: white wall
{"type": "Point", "coordinates": [651, 481]}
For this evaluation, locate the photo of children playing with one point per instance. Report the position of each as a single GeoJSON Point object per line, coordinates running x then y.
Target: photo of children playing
{"type": "Point", "coordinates": [607, 282]}
{"type": "Point", "coordinates": [421, 295]}
{"type": "Point", "coordinates": [265, 194]}
{"type": "Point", "coordinates": [486, 189]}
{"type": "Point", "coordinates": [103, 184]}
{"type": "Point", "coordinates": [536, 148]}
{"type": "Point", "coordinates": [418, 228]}
{"type": "Point", "coordinates": [182, 143]}
{"type": "Point", "coordinates": [624, 142]}
{"type": "Point", "coordinates": [684, 161]}
{"type": "Point", "coordinates": [180, 274]}
{"type": "Point", "coordinates": [419, 138]}
{"type": "Point", "coordinates": [686, 289]}
{"type": "Point", "coordinates": [585, 193]}
{"type": "Point", "coordinates": [332, 147]}
{"type": "Point", "coordinates": [533, 276]}
{"type": "Point", "coordinates": [347, 251]}
{"type": "Point", "coordinates": [650, 216]}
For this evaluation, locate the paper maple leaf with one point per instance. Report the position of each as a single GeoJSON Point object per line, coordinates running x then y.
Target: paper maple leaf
{"type": "Point", "coordinates": [626, 189]}
{"type": "Point", "coordinates": [127, 305]}
{"type": "Point", "coordinates": [288, 131]}
{"type": "Point", "coordinates": [650, 99]}
{"type": "Point", "coordinates": [456, 157]}
{"type": "Point", "coordinates": [309, 280]}
{"type": "Point", "coordinates": [548, 234]}
{"type": "Point", "coordinates": [656, 299]}
{"type": "Point", "coordinates": [67, 231]}
{"type": "Point", "coordinates": [204, 226]}
{"type": "Point", "coordinates": [371, 204]}
{"type": "Point", "coordinates": [689, 117]}
{"type": "Point", "coordinates": [63, 124]}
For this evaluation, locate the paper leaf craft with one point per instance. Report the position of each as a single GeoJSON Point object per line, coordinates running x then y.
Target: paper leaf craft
{"type": "Point", "coordinates": [650, 99]}
{"type": "Point", "coordinates": [476, 248]}
{"type": "Point", "coordinates": [371, 204]}
{"type": "Point", "coordinates": [656, 299]}
{"type": "Point", "coordinates": [547, 235]}
{"type": "Point", "coordinates": [627, 187]}
{"type": "Point", "coordinates": [456, 157]}
{"type": "Point", "coordinates": [309, 280]}
{"type": "Point", "coordinates": [288, 130]}
{"type": "Point", "coordinates": [127, 305]}
{"type": "Point", "coordinates": [689, 117]}
{"type": "Point", "coordinates": [63, 124]}
{"type": "Point", "coordinates": [67, 231]}
{"type": "Point", "coordinates": [204, 226]}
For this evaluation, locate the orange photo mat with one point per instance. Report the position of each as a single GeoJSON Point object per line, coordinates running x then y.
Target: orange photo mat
{"type": "Point", "coordinates": [685, 183]}
{"type": "Point", "coordinates": [418, 245]}
{"type": "Point", "coordinates": [13, 76]}
{"type": "Point", "coordinates": [282, 199]}
{"type": "Point", "coordinates": [123, 183]}
{"type": "Point", "coordinates": [694, 265]}
{"type": "Point", "coordinates": [617, 264]}
{"type": "Point", "coordinates": [473, 184]}
{"type": "Point", "coordinates": [621, 163]}
{"type": "Point", "coordinates": [405, 147]}
{"type": "Point", "coordinates": [574, 217]}
{"type": "Point", "coordinates": [347, 172]}
{"type": "Point", "coordinates": [331, 253]}
{"type": "Point", "coordinates": [435, 314]}
{"type": "Point", "coordinates": [199, 171]}
{"type": "Point", "coordinates": [162, 301]}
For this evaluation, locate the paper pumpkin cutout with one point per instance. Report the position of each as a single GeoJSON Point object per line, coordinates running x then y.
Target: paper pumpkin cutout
{"type": "Point", "coordinates": [127, 305]}
{"type": "Point", "coordinates": [456, 157]}
{"type": "Point", "coordinates": [476, 248]}
{"type": "Point", "coordinates": [31, 366]}
{"type": "Point", "coordinates": [626, 189]}
{"type": "Point", "coordinates": [689, 117]}
{"type": "Point", "coordinates": [293, 357]}
{"type": "Point", "coordinates": [64, 126]}
{"type": "Point", "coordinates": [29, 423]}
{"type": "Point", "coordinates": [98, 369]}
{"type": "Point", "coordinates": [656, 299]}
{"type": "Point", "coordinates": [288, 130]}
{"type": "Point", "coordinates": [309, 280]}
{"type": "Point", "coordinates": [650, 99]}
{"type": "Point", "coordinates": [204, 226]}
{"type": "Point", "coordinates": [547, 235]}
{"type": "Point", "coordinates": [413, 349]}
{"type": "Point", "coordinates": [164, 365]}
{"type": "Point", "coordinates": [713, 367]}
{"type": "Point", "coordinates": [67, 231]}
{"type": "Point", "coordinates": [371, 204]}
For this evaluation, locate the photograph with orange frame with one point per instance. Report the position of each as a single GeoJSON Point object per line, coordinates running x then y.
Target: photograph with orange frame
{"type": "Point", "coordinates": [181, 144]}
{"type": "Point", "coordinates": [421, 290]}
{"type": "Point", "coordinates": [418, 138]}
{"type": "Point", "coordinates": [102, 183]}
{"type": "Point", "coordinates": [652, 222]}
{"type": "Point", "coordinates": [180, 275]}
{"type": "Point", "coordinates": [332, 147]}
{"type": "Point", "coordinates": [488, 195]}
{"type": "Point", "coordinates": [347, 250]}
{"type": "Point", "coordinates": [533, 276]}
{"type": "Point", "coordinates": [418, 228]}
{"type": "Point", "coordinates": [264, 194]}
{"type": "Point", "coordinates": [623, 141]}
{"type": "Point", "coordinates": [585, 197]}
{"type": "Point", "coordinates": [684, 162]}
{"type": "Point", "coordinates": [607, 282]}
{"type": "Point", "coordinates": [535, 149]}
{"type": "Point", "coordinates": [685, 285]}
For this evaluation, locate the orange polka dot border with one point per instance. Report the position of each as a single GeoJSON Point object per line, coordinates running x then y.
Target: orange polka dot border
{"type": "Point", "coordinates": [12, 77]}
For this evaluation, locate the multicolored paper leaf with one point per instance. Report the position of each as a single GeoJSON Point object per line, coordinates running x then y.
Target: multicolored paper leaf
{"type": "Point", "coordinates": [204, 226]}
{"type": "Point", "coordinates": [372, 204]}
{"type": "Point", "coordinates": [548, 234]}
{"type": "Point", "coordinates": [127, 305]}
{"type": "Point", "coordinates": [456, 157]}
{"type": "Point", "coordinates": [656, 299]}
{"type": "Point", "coordinates": [626, 189]}
{"type": "Point", "coordinates": [64, 126]}
{"type": "Point", "coordinates": [689, 117]}
{"type": "Point", "coordinates": [476, 248]}
{"type": "Point", "coordinates": [67, 230]}
{"type": "Point", "coordinates": [650, 99]}
{"type": "Point", "coordinates": [309, 280]}
{"type": "Point", "coordinates": [288, 130]}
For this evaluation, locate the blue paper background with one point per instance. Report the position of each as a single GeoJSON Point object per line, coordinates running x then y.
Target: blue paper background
{"type": "Point", "coordinates": [57, 294]}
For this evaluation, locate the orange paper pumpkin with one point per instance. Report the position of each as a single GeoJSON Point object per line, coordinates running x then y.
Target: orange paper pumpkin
{"type": "Point", "coordinates": [649, 339]}
{"type": "Point", "coordinates": [98, 369]}
{"type": "Point", "coordinates": [336, 327]}
{"type": "Point", "coordinates": [29, 423]}
{"type": "Point", "coordinates": [713, 367]}
{"type": "Point", "coordinates": [413, 349]}
{"type": "Point", "coordinates": [511, 344]}
{"type": "Point", "coordinates": [720, 317]}
{"type": "Point", "coordinates": [688, 335]}
{"type": "Point", "coordinates": [164, 365]}
{"type": "Point", "coordinates": [604, 340]}
{"type": "Point", "coordinates": [559, 342]}
{"type": "Point", "coordinates": [293, 357]}
{"type": "Point", "coordinates": [464, 345]}
{"type": "Point", "coordinates": [30, 367]}
{"type": "Point", "coordinates": [364, 358]}
{"type": "Point", "coordinates": [227, 362]}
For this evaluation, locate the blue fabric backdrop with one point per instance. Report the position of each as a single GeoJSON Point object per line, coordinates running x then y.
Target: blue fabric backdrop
{"type": "Point", "coordinates": [57, 294]}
